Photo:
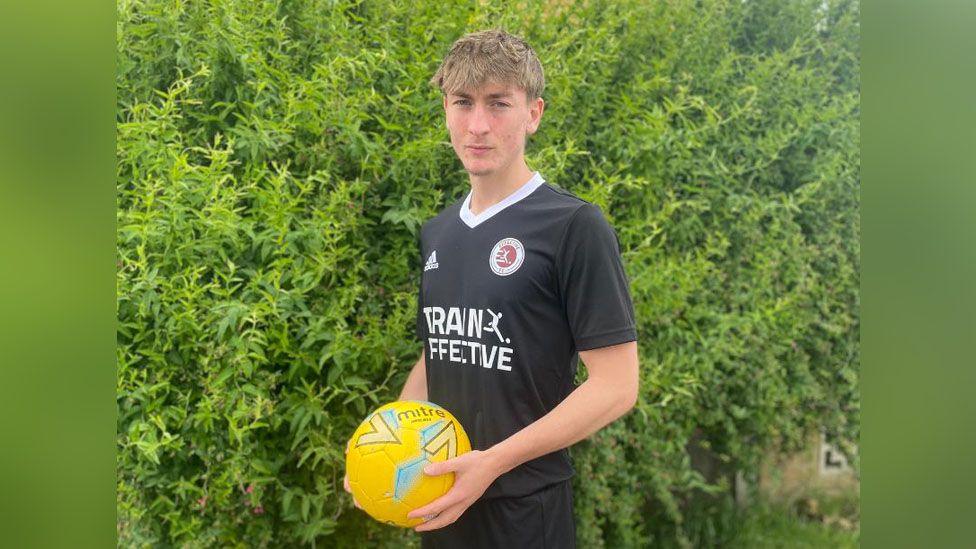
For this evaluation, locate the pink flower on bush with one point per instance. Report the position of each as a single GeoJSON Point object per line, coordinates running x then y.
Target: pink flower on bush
{"type": "Point", "coordinates": [249, 489]}
{"type": "Point", "coordinates": [259, 510]}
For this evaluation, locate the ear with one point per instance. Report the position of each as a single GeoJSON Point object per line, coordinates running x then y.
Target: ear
{"type": "Point", "coordinates": [536, 108]}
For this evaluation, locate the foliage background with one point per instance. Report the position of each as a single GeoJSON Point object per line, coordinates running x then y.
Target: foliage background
{"type": "Point", "coordinates": [276, 159]}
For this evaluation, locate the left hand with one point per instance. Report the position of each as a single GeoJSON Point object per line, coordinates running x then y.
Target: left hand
{"type": "Point", "coordinates": [473, 473]}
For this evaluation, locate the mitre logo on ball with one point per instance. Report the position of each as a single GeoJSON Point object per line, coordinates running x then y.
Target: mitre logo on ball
{"type": "Point", "coordinates": [507, 256]}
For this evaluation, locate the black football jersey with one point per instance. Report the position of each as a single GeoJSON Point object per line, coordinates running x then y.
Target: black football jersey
{"type": "Point", "coordinates": [507, 300]}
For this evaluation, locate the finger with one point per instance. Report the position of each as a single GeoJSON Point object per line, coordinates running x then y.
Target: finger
{"type": "Point", "coordinates": [434, 507]}
{"type": "Point", "coordinates": [345, 484]}
{"type": "Point", "coordinates": [447, 517]}
{"type": "Point", "coordinates": [441, 467]}
{"type": "Point", "coordinates": [452, 465]}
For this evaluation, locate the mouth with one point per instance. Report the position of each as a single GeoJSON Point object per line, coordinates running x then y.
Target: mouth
{"type": "Point", "coordinates": [478, 150]}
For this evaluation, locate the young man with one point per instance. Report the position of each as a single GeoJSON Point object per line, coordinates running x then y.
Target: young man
{"type": "Point", "coordinates": [521, 281]}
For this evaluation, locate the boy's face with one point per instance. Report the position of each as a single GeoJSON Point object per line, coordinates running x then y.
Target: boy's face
{"type": "Point", "coordinates": [488, 126]}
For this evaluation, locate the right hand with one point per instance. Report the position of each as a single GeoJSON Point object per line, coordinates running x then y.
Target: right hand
{"type": "Point", "coordinates": [345, 481]}
{"type": "Point", "coordinates": [345, 484]}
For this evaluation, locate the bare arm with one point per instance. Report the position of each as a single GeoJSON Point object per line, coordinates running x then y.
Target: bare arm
{"type": "Point", "coordinates": [415, 388]}
{"type": "Point", "coordinates": [609, 392]}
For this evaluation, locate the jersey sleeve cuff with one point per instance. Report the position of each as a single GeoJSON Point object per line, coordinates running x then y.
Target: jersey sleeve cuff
{"type": "Point", "coordinates": [606, 339]}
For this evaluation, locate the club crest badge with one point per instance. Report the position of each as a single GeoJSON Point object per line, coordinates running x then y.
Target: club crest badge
{"type": "Point", "coordinates": [507, 256]}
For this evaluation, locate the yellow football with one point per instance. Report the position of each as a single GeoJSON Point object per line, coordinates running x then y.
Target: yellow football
{"type": "Point", "coordinates": [386, 456]}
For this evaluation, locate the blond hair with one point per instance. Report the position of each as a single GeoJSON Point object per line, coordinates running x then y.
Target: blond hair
{"type": "Point", "coordinates": [490, 56]}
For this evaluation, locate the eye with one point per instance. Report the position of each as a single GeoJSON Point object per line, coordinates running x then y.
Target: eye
{"type": "Point", "coordinates": [500, 104]}
{"type": "Point", "coordinates": [462, 102]}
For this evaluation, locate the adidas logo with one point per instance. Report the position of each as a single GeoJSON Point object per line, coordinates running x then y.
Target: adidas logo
{"type": "Point", "coordinates": [431, 261]}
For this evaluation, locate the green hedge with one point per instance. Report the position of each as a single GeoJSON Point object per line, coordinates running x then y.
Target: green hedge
{"type": "Point", "coordinates": [276, 159]}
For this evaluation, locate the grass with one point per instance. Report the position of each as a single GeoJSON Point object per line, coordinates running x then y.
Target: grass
{"type": "Point", "coordinates": [768, 526]}
{"type": "Point", "coordinates": [815, 520]}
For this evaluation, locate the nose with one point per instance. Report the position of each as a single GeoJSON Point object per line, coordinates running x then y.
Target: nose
{"type": "Point", "coordinates": [478, 123]}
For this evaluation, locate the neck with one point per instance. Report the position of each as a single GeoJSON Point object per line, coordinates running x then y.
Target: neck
{"type": "Point", "coordinates": [490, 189]}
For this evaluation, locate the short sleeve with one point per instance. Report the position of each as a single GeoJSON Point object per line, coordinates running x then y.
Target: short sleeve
{"type": "Point", "coordinates": [592, 283]}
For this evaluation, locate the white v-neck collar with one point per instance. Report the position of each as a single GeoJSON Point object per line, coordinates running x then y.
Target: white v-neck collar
{"type": "Point", "coordinates": [472, 220]}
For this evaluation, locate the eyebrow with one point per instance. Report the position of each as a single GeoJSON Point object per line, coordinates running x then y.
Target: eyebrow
{"type": "Point", "coordinates": [499, 95]}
